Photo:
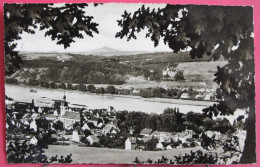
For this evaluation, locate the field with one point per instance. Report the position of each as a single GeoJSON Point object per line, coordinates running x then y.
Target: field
{"type": "Point", "coordinates": [105, 155]}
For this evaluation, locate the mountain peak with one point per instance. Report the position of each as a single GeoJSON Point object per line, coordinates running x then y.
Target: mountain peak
{"type": "Point", "coordinates": [106, 49]}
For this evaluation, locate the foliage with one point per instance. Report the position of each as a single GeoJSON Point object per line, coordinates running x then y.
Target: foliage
{"type": "Point", "coordinates": [171, 120]}
{"type": "Point", "coordinates": [111, 90]}
{"type": "Point", "coordinates": [179, 76]}
{"type": "Point", "coordinates": [23, 153]}
{"type": "Point", "coordinates": [62, 24]}
{"type": "Point", "coordinates": [197, 157]}
{"type": "Point", "coordinates": [58, 125]}
{"type": "Point", "coordinates": [151, 144]}
{"type": "Point", "coordinates": [91, 88]}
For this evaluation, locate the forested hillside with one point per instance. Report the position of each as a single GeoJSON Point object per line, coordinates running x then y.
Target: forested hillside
{"type": "Point", "coordinates": [89, 69]}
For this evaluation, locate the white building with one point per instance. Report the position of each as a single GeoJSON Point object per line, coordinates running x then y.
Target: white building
{"type": "Point", "coordinates": [169, 147]}
{"type": "Point", "coordinates": [159, 146]}
{"type": "Point", "coordinates": [169, 72]}
{"type": "Point", "coordinates": [33, 140]}
{"type": "Point", "coordinates": [85, 126]}
{"type": "Point", "coordinates": [185, 96]}
{"type": "Point", "coordinates": [33, 125]}
{"type": "Point", "coordinates": [43, 102]}
{"type": "Point", "coordinates": [128, 144]}
{"type": "Point", "coordinates": [92, 139]}
{"type": "Point", "coordinates": [75, 136]}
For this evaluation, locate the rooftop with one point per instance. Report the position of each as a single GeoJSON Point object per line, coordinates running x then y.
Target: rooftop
{"type": "Point", "coordinates": [71, 115]}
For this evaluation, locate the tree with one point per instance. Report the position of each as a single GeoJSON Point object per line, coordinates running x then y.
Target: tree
{"type": "Point", "coordinates": [62, 86]}
{"type": "Point", "coordinates": [81, 87]}
{"type": "Point", "coordinates": [69, 86]}
{"type": "Point", "coordinates": [52, 85]}
{"type": "Point", "coordinates": [91, 88]}
{"type": "Point", "coordinates": [58, 125]}
{"type": "Point", "coordinates": [111, 90]}
{"type": "Point", "coordinates": [23, 153]}
{"type": "Point", "coordinates": [151, 144]}
{"type": "Point", "coordinates": [43, 123]}
{"type": "Point", "coordinates": [62, 24]}
{"type": "Point", "coordinates": [208, 30]}
{"type": "Point", "coordinates": [179, 76]}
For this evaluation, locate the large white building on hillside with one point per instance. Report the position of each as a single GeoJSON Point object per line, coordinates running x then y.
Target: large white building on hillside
{"type": "Point", "coordinates": [169, 72]}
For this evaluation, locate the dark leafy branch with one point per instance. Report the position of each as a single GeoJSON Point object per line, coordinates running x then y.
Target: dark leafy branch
{"type": "Point", "coordinates": [62, 24]}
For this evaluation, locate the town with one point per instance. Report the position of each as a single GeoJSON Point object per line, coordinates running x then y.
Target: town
{"type": "Point", "coordinates": [46, 121]}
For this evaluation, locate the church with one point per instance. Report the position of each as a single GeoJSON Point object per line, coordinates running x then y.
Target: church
{"type": "Point", "coordinates": [67, 117]}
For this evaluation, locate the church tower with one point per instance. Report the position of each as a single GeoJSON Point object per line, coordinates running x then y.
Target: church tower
{"type": "Point", "coordinates": [63, 106]}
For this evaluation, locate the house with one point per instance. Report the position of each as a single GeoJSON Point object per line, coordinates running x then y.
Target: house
{"type": "Point", "coordinates": [199, 97]}
{"type": "Point", "coordinates": [33, 125]}
{"type": "Point", "coordinates": [94, 121]}
{"type": "Point", "coordinates": [92, 139]}
{"type": "Point", "coordinates": [145, 139]}
{"type": "Point", "coordinates": [110, 129]}
{"type": "Point", "coordinates": [75, 136]}
{"type": "Point", "coordinates": [9, 101]}
{"type": "Point", "coordinates": [188, 133]}
{"type": "Point", "coordinates": [128, 144]}
{"type": "Point", "coordinates": [39, 110]}
{"type": "Point", "coordinates": [169, 72]}
{"type": "Point", "coordinates": [156, 134]}
{"type": "Point", "coordinates": [69, 119]}
{"type": "Point", "coordinates": [85, 126]}
{"type": "Point", "coordinates": [51, 117]}
{"type": "Point", "coordinates": [169, 147]}
{"type": "Point", "coordinates": [43, 102]}
{"type": "Point", "coordinates": [159, 146]}
{"type": "Point", "coordinates": [180, 137]}
{"type": "Point", "coordinates": [100, 125]}
{"type": "Point", "coordinates": [207, 97]}
{"type": "Point", "coordinates": [135, 91]}
{"type": "Point", "coordinates": [55, 113]}
{"type": "Point", "coordinates": [161, 140]}
{"type": "Point", "coordinates": [210, 134]}
{"type": "Point", "coordinates": [33, 140]}
{"type": "Point", "coordinates": [146, 132]}
{"type": "Point", "coordinates": [26, 116]}
{"type": "Point", "coordinates": [185, 96]}
{"type": "Point", "coordinates": [34, 116]}
{"type": "Point", "coordinates": [110, 109]}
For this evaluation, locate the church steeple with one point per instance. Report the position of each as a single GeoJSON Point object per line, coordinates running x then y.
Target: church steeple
{"type": "Point", "coordinates": [63, 106]}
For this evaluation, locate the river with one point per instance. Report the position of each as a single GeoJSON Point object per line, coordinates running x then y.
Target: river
{"type": "Point", "coordinates": [119, 102]}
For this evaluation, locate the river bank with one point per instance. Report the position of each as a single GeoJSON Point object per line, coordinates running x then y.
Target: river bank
{"type": "Point", "coordinates": [119, 102]}
{"type": "Point", "coordinates": [160, 100]}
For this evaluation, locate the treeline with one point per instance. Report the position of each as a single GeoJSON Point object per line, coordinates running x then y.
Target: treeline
{"type": "Point", "coordinates": [171, 120]}
{"type": "Point", "coordinates": [158, 92]}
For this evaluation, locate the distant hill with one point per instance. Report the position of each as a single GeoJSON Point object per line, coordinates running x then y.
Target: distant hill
{"type": "Point", "coordinates": [106, 51]}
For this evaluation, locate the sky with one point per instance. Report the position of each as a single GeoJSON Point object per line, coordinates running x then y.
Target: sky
{"type": "Point", "coordinates": [105, 15]}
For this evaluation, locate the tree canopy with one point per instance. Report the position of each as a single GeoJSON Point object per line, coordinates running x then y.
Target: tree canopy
{"type": "Point", "coordinates": [62, 23]}
{"type": "Point", "coordinates": [208, 30]}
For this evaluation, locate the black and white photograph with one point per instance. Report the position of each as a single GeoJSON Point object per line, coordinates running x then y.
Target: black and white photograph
{"type": "Point", "coordinates": [129, 83]}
